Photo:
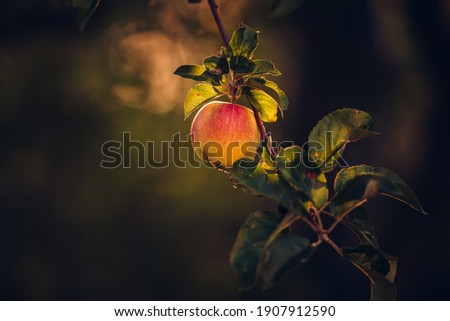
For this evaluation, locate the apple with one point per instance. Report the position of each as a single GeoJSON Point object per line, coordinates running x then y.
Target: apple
{"type": "Point", "coordinates": [223, 132]}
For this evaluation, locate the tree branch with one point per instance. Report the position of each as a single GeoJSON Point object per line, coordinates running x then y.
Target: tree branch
{"type": "Point", "coordinates": [216, 14]}
{"type": "Point", "coordinates": [312, 225]}
{"type": "Point", "coordinates": [259, 122]}
{"type": "Point", "coordinates": [333, 245]}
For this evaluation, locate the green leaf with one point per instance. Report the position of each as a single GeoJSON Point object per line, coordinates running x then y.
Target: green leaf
{"type": "Point", "coordinates": [84, 10]}
{"type": "Point", "coordinates": [270, 88]}
{"type": "Point", "coordinates": [319, 190]}
{"type": "Point", "coordinates": [266, 160]}
{"type": "Point", "coordinates": [359, 223]}
{"type": "Point", "coordinates": [282, 8]}
{"type": "Point", "coordinates": [290, 156]}
{"type": "Point", "coordinates": [378, 267]}
{"type": "Point", "coordinates": [264, 104]}
{"type": "Point", "coordinates": [197, 72]}
{"type": "Point", "coordinates": [282, 100]}
{"type": "Point", "coordinates": [258, 67]}
{"type": "Point", "coordinates": [211, 62]}
{"type": "Point", "coordinates": [356, 184]}
{"type": "Point", "coordinates": [262, 67]}
{"type": "Point", "coordinates": [198, 96]}
{"type": "Point", "coordinates": [217, 65]}
{"type": "Point", "coordinates": [249, 244]}
{"type": "Point", "coordinates": [254, 179]}
{"type": "Point", "coordinates": [244, 42]}
{"type": "Point", "coordinates": [281, 257]}
{"type": "Point", "coordinates": [329, 137]}
{"type": "Point", "coordinates": [242, 45]}
{"type": "Point", "coordinates": [241, 65]}
{"type": "Point", "coordinates": [292, 167]}
{"type": "Point", "coordinates": [264, 252]}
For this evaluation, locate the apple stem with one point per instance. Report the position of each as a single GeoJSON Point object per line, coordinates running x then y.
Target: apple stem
{"type": "Point", "coordinates": [216, 14]}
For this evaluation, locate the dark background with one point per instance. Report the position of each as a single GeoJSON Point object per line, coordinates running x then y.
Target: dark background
{"type": "Point", "coordinates": [72, 230]}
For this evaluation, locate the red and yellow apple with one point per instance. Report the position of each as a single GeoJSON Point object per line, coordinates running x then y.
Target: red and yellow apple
{"type": "Point", "coordinates": [223, 132]}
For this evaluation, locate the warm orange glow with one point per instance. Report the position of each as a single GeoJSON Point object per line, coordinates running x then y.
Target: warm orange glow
{"type": "Point", "coordinates": [145, 60]}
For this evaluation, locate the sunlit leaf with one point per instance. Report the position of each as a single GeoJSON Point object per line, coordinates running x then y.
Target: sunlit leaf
{"type": "Point", "coordinates": [266, 106]}
{"type": "Point", "coordinates": [216, 65]}
{"type": "Point", "coordinates": [282, 8]}
{"type": "Point", "coordinates": [281, 257]}
{"type": "Point", "coordinates": [262, 66]}
{"type": "Point", "coordinates": [378, 267]}
{"type": "Point", "coordinates": [197, 96]}
{"type": "Point", "coordinates": [211, 62]}
{"type": "Point", "coordinates": [319, 190]}
{"type": "Point", "coordinates": [84, 10]}
{"type": "Point", "coordinates": [329, 137]}
{"type": "Point", "coordinates": [254, 179]}
{"type": "Point", "coordinates": [358, 221]}
{"type": "Point", "coordinates": [242, 45]}
{"type": "Point", "coordinates": [283, 100]}
{"type": "Point", "coordinates": [270, 88]}
{"type": "Point", "coordinates": [249, 244]}
{"type": "Point", "coordinates": [197, 72]}
{"type": "Point", "coordinates": [258, 67]}
{"type": "Point", "coordinates": [244, 42]}
{"type": "Point", "coordinates": [358, 183]}
{"type": "Point", "coordinates": [266, 160]}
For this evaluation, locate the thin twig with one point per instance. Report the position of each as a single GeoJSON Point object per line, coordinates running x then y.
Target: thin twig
{"type": "Point", "coordinates": [316, 243]}
{"type": "Point", "coordinates": [333, 226]}
{"type": "Point", "coordinates": [216, 14]}
{"type": "Point", "coordinates": [319, 220]}
{"type": "Point", "coordinates": [262, 130]}
{"type": "Point", "coordinates": [259, 122]}
{"type": "Point", "coordinates": [317, 216]}
{"type": "Point", "coordinates": [329, 214]}
{"type": "Point", "coordinates": [333, 245]}
{"type": "Point", "coordinates": [311, 225]}
{"type": "Point", "coordinates": [324, 206]}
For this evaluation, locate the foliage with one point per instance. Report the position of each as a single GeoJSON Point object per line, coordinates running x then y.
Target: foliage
{"type": "Point", "coordinates": [266, 250]}
{"type": "Point", "coordinates": [234, 72]}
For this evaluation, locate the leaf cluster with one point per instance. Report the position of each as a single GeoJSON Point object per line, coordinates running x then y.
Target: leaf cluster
{"type": "Point", "coordinates": [234, 72]}
{"type": "Point", "coordinates": [295, 177]}
{"type": "Point", "coordinates": [266, 250]}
